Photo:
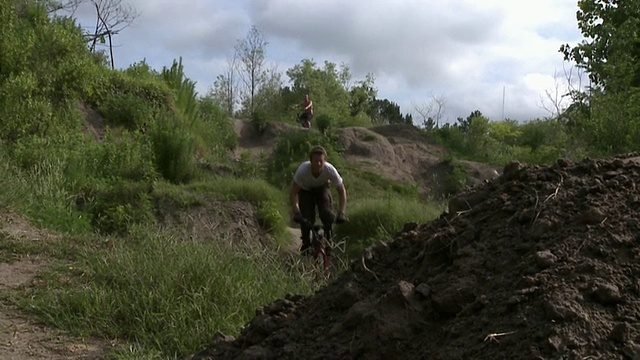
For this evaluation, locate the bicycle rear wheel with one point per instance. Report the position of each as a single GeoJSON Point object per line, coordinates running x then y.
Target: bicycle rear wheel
{"type": "Point", "coordinates": [321, 263]}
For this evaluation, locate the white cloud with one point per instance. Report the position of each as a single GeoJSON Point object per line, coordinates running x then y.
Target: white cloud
{"type": "Point", "coordinates": [466, 50]}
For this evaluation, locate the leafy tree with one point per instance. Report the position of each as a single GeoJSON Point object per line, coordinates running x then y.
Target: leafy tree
{"type": "Point", "coordinates": [383, 111]}
{"type": "Point", "coordinates": [323, 86]}
{"type": "Point", "coordinates": [610, 52]}
{"type": "Point", "coordinates": [608, 116]}
{"type": "Point", "coordinates": [362, 95]}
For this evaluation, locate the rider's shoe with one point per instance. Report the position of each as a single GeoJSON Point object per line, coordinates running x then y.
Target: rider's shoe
{"type": "Point", "coordinates": [305, 250]}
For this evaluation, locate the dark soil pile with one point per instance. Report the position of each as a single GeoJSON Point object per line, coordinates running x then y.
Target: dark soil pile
{"type": "Point", "coordinates": [541, 263]}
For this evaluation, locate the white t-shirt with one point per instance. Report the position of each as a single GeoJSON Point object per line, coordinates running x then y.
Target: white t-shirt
{"type": "Point", "coordinates": [306, 180]}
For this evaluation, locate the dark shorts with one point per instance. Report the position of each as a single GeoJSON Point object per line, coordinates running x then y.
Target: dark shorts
{"type": "Point", "coordinates": [316, 198]}
{"type": "Point", "coordinates": [306, 116]}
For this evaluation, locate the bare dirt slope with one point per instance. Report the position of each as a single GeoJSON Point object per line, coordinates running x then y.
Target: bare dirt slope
{"type": "Point", "coordinates": [20, 337]}
{"type": "Point", "coordinates": [540, 263]}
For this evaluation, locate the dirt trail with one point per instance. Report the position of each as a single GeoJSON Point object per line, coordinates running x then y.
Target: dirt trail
{"type": "Point", "coordinates": [20, 337]}
{"type": "Point", "coordinates": [540, 263]}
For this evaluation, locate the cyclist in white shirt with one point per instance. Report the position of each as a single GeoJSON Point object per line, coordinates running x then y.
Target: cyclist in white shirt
{"type": "Point", "coordinates": [311, 189]}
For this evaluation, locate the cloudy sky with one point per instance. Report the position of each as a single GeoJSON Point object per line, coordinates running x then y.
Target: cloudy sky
{"type": "Point", "coordinates": [474, 54]}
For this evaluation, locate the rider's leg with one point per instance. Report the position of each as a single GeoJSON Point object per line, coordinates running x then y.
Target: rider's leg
{"type": "Point", "coordinates": [324, 202]}
{"type": "Point", "coordinates": [308, 211]}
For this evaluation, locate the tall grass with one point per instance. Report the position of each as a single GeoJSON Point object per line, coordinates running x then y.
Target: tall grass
{"type": "Point", "coordinates": [168, 295]}
{"type": "Point", "coordinates": [379, 219]}
{"type": "Point", "coordinates": [39, 194]}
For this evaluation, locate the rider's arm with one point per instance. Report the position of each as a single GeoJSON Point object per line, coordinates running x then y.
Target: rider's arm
{"type": "Point", "coordinates": [342, 198]}
{"type": "Point", "coordinates": [293, 197]}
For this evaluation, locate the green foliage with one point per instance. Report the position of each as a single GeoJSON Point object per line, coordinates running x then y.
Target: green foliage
{"type": "Point", "coordinates": [217, 126]}
{"type": "Point", "coordinates": [174, 150]}
{"type": "Point", "coordinates": [127, 110]}
{"type": "Point", "coordinates": [259, 121]}
{"type": "Point", "coordinates": [20, 105]}
{"type": "Point", "coordinates": [39, 193]}
{"type": "Point", "coordinates": [115, 208]}
{"type": "Point", "coordinates": [128, 84]}
{"type": "Point", "coordinates": [383, 111]}
{"type": "Point", "coordinates": [250, 167]}
{"type": "Point", "coordinates": [379, 219]}
{"type": "Point", "coordinates": [614, 123]}
{"type": "Point", "coordinates": [457, 178]}
{"type": "Point", "coordinates": [122, 155]}
{"type": "Point", "coordinates": [166, 295]}
{"type": "Point", "coordinates": [184, 91]}
{"type": "Point", "coordinates": [323, 123]}
{"type": "Point", "coordinates": [609, 51]}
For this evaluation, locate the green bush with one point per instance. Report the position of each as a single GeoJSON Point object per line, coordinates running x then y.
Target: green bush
{"type": "Point", "coordinates": [259, 121]}
{"type": "Point", "coordinates": [457, 178]}
{"type": "Point", "coordinates": [174, 150]}
{"type": "Point", "coordinates": [216, 128]}
{"type": "Point", "coordinates": [123, 155]}
{"type": "Point", "coordinates": [127, 110]}
{"type": "Point", "coordinates": [115, 208]}
{"type": "Point", "coordinates": [323, 123]}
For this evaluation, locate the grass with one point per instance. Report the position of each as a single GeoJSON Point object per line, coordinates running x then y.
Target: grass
{"type": "Point", "coordinates": [375, 219]}
{"type": "Point", "coordinates": [163, 294]}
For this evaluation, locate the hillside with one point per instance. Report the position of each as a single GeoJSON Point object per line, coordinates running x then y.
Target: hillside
{"type": "Point", "coordinates": [541, 263]}
{"type": "Point", "coordinates": [401, 153]}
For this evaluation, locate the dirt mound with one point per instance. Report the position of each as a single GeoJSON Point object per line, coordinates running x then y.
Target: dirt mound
{"type": "Point", "coordinates": [211, 219]}
{"type": "Point", "coordinates": [542, 262]}
{"type": "Point", "coordinates": [403, 153]}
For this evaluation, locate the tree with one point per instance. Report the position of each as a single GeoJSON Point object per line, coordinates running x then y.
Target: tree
{"type": "Point", "coordinates": [610, 52]}
{"type": "Point", "coordinates": [361, 95]}
{"type": "Point", "coordinates": [608, 115]}
{"type": "Point", "coordinates": [251, 52]}
{"type": "Point", "coordinates": [383, 111]}
{"type": "Point", "coordinates": [323, 86]}
{"type": "Point", "coordinates": [112, 16]}
{"type": "Point", "coordinates": [431, 111]}
{"type": "Point", "coordinates": [226, 85]}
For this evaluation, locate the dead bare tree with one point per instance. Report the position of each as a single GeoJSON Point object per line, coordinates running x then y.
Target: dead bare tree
{"type": "Point", "coordinates": [112, 16]}
{"type": "Point", "coordinates": [553, 99]}
{"type": "Point", "coordinates": [557, 99]}
{"type": "Point", "coordinates": [431, 111]}
{"type": "Point", "coordinates": [69, 6]}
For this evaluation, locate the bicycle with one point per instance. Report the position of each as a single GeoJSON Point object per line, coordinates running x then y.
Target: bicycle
{"type": "Point", "coordinates": [318, 247]}
{"type": "Point", "coordinates": [304, 122]}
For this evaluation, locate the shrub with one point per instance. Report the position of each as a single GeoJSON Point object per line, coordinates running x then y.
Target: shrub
{"type": "Point", "coordinates": [259, 121]}
{"type": "Point", "coordinates": [457, 179]}
{"type": "Point", "coordinates": [115, 208]}
{"type": "Point", "coordinates": [323, 123]}
{"type": "Point", "coordinates": [127, 110]}
{"type": "Point", "coordinates": [174, 150]}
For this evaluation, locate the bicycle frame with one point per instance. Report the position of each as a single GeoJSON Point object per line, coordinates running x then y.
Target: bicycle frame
{"type": "Point", "coordinates": [318, 251]}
